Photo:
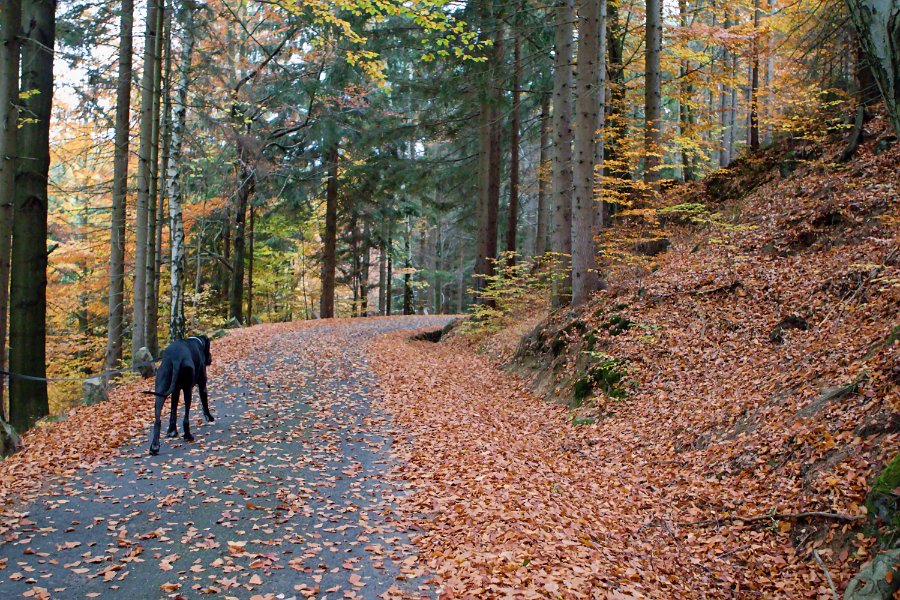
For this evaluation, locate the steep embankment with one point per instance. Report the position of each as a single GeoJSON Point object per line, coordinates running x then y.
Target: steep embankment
{"type": "Point", "coordinates": [750, 376]}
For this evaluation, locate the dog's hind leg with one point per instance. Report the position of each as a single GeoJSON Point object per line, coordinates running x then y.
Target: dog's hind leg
{"type": "Point", "coordinates": [204, 398]}
{"type": "Point", "coordinates": [186, 424]}
{"type": "Point", "coordinates": [157, 425]}
{"type": "Point", "coordinates": [173, 429]}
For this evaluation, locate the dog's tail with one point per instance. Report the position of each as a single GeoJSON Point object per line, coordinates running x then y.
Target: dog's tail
{"type": "Point", "coordinates": [165, 369]}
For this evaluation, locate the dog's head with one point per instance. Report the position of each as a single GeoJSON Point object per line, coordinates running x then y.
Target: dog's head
{"type": "Point", "coordinates": [207, 349]}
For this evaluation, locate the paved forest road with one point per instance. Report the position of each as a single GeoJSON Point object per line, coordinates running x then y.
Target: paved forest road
{"type": "Point", "coordinates": [285, 493]}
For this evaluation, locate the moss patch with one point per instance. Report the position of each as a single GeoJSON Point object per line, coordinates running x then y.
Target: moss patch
{"type": "Point", "coordinates": [882, 502]}
{"type": "Point", "coordinates": [606, 375]}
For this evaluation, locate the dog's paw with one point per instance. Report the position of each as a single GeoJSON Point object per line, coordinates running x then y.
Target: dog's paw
{"type": "Point", "coordinates": [188, 437]}
{"type": "Point", "coordinates": [210, 419]}
{"type": "Point", "coordinates": [172, 433]}
{"type": "Point", "coordinates": [154, 450]}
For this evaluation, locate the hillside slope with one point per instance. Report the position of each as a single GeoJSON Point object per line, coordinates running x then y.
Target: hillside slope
{"type": "Point", "coordinates": [755, 370]}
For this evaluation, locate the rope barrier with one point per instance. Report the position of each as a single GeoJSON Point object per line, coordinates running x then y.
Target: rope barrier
{"type": "Point", "coordinates": [105, 374]}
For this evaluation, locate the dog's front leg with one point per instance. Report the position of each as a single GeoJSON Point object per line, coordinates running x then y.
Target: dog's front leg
{"type": "Point", "coordinates": [186, 424]}
{"type": "Point", "coordinates": [157, 425]}
{"type": "Point", "coordinates": [173, 429]}
{"type": "Point", "coordinates": [204, 400]}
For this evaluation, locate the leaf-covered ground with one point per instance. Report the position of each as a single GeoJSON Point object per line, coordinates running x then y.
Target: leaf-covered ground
{"type": "Point", "coordinates": [285, 495]}
{"type": "Point", "coordinates": [726, 414]}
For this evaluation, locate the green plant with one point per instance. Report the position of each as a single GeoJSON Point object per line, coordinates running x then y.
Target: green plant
{"type": "Point", "coordinates": [516, 288]}
{"type": "Point", "coordinates": [607, 374]}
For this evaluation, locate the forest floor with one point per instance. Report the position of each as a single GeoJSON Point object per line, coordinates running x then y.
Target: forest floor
{"type": "Point", "coordinates": [708, 426]}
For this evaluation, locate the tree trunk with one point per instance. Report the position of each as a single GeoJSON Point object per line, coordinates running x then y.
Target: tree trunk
{"type": "Point", "coordinates": [561, 223]}
{"type": "Point", "coordinates": [364, 271]}
{"type": "Point", "coordinates": [28, 291]}
{"type": "Point", "coordinates": [540, 242]}
{"type": "Point", "coordinates": [154, 224]}
{"type": "Point", "coordinates": [163, 171]}
{"type": "Point", "coordinates": [382, 269]}
{"type": "Point", "coordinates": [142, 218]}
{"type": "Point", "coordinates": [250, 270]}
{"type": "Point", "coordinates": [725, 105]}
{"type": "Point", "coordinates": [329, 240]}
{"type": "Point", "coordinates": [615, 164]}
{"type": "Point", "coordinates": [653, 97]}
{"type": "Point", "coordinates": [685, 110]}
{"type": "Point", "coordinates": [177, 278]}
{"type": "Point", "coordinates": [9, 115]}
{"type": "Point", "coordinates": [407, 267]}
{"type": "Point", "coordinates": [587, 120]}
{"type": "Point", "coordinates": [242, 200]}
{"type": "Point", "coordinates": [489, 173]}
{"type": "Point", "coordinates": [513, 221]}
{"type": "Point", "coordinates": [389, 292]}
{"type": "Point", "coordinates": [116, 317]}
{"type": "Point", "coordinates": [877, 24]}
{"type": "Point", "coordinates": [754, 81]}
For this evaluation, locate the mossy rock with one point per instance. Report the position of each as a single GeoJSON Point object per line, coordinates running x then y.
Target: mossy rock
{"type": "Point", "coordinates": [877, 580]}
{"type": "Point", "coordinates": [883, 501]}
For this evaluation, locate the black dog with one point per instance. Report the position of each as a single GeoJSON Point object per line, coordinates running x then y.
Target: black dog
{"type": "Point", "coordinates": [183, 366]}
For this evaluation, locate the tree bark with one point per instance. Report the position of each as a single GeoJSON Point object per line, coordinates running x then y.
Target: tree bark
{"type": "Point", "coordinates": [561, 223]}
{"type": "Point", "coordinates": [246, 187]}
{"type": "Point", "coordinates": [177, 278]}
{"type": "Point", "coordinates": [407, 267]}
{"type": "Point", "coordinates": [28, 291]}
{"type": "Point", "coordinates": [877, 24]}
{"type": "Point", "coordinates": [512, 225]}
{"type": "Point", "coordinates": [162, 215]}
{"type": "Point", "coordinates": [329, 240]}
{"type": "Point", "coordinates": [653, 97]}
{"type": "Point", "coordinates": [250, 269]}
{"type": "Point", "coordinates": [540, 243]}
{"type": "Point", "coordinates": [154, 224]}
{"type": "Point", "coordinates": [587, 120]}
{"type": "Point", "coordinates": [754, 81]}
{"type": "Point", "coordinates": [9, 116]}
{"type": "Point", "coordinates": [142, 217]}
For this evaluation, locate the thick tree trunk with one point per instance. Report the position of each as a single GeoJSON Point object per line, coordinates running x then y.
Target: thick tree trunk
{"type": "Point", "coordinates": [585, 279]}
{"type": "Point", "coordinates": [489, 173]}
{"type": "Point", "coordinates": [653, 97]}
{"type": "Point", "coordinates": [175, 193]}
{"type": "Point", "coordinates": [615, 164]}
{"type": "Point", "coordinates": [11, 16]}
{"type": "Point", "coordinates": [142, 218]}
{"type": "Point", "coordinates": [116, 313]}
{"type": "Point", "coordinates": [28, 291]}
{"type": "Point", "coordinates": [246, 187]}
{"type": "Point", "coordinates": [512, 225]}
{"type": "Point", "coordinates": [561, 223]}
{"type": "Point", "coordinates": [154, 224]}
{"type": "Point", "coordinates": [329, 240]}
{"type": "Point", "coordinates": [877, 24]}
{"type": "Point", "coordinates": [543, 172]}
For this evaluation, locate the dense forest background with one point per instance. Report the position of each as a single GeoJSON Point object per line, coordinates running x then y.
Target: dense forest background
{"type": "Point", "coordinates": [205, 165]}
